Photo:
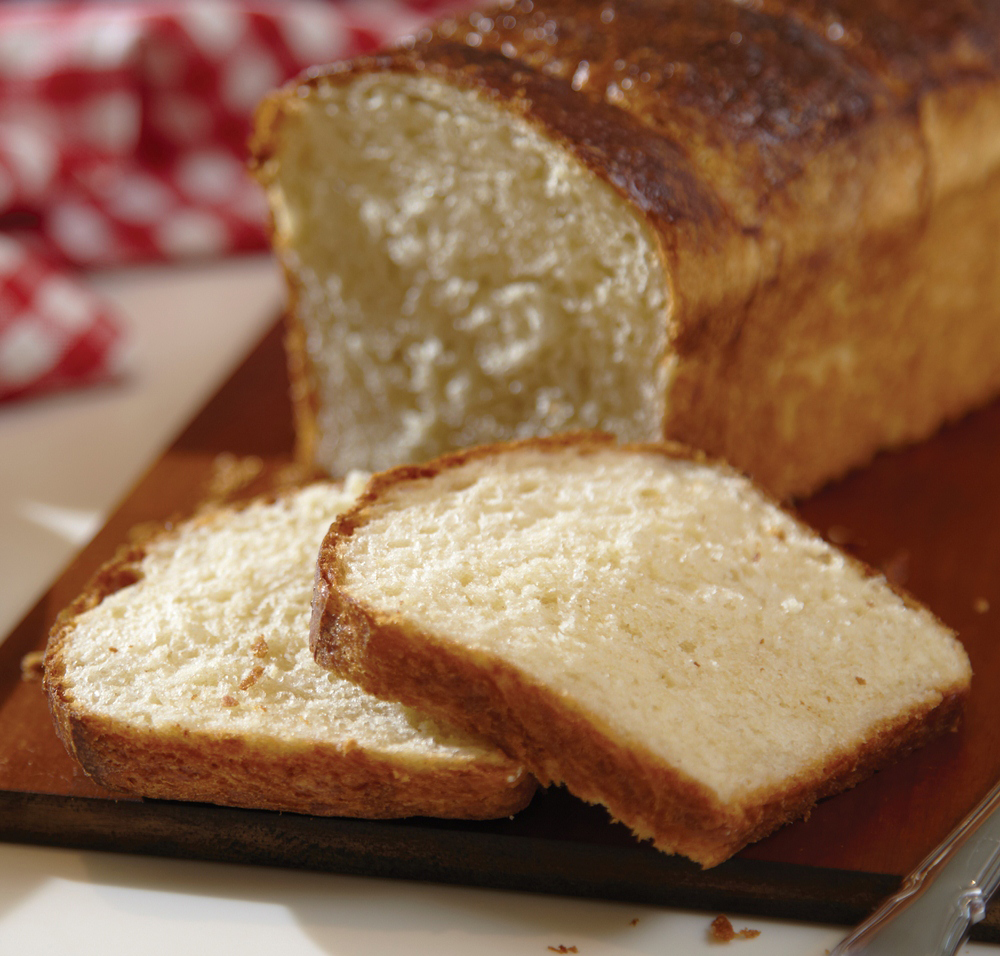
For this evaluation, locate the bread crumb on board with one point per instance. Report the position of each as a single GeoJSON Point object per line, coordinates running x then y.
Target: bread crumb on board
{"type": "Point", "coordinates": [980, 605]}
{"type": "Point", "coordinates": [33, 666]}
{"type": "Point", "coordinates": [840, 535]}
{"type": "Point", "coordinates": [231, 474]}
{"type": "Point", "coordinates": [721, 931]}
{"type": "Point", "coordinates": [563, 949]}
{"type": "Point", "coordinates": [896, 567]}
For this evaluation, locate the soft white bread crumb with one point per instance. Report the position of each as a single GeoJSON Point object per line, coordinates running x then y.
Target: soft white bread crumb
{"type": "Point", "coordinates": [459, 277]}
{"type": "Point", "coordinates": [207, 652]}
{"type": "Point", "coordinates": [647, 628]}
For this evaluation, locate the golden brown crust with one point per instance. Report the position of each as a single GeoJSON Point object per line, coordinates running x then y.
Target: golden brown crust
{"type": "Point", "coordinates": [823, 179]}
{"type": "Point", "coordinates": [322, 780]}
{"type": "Point", "coordinates": [303, 391]}
{"type": "Point", "coordinates": [742, 97]}
{"type": "Point", "coordinates": [339, 778]}
{"type": "Point", "coordinates": [391, 658]}
{"type": "Point", "coordinates": [582, 441]}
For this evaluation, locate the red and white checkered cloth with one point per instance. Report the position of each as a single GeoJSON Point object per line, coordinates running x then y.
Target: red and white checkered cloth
{"type": "Point", "coordinates": [123, 133]}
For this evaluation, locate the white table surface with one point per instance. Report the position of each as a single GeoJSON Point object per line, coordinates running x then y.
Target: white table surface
{"type": "Point", "coordinates": [65, 461]}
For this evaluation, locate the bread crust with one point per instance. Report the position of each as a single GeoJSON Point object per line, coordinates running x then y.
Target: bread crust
{"type": "Point", "coordinates": [392, 658]}
{"type": "Point", "coordinates": [339, 778]}
{"type": "Point", "coordinates": [823, 181]}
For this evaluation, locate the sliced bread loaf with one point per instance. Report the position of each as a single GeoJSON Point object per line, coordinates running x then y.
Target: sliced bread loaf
{"type": "Point", "coordinates": [637, 623]}
{"type": "Point", "coordinates": [184, 672]}
{"type": "Point", "coordinates": [765, 229]}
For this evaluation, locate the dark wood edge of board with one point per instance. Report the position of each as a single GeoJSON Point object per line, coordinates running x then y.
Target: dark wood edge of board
{"type": "Point", "coordinates": [426, 852]}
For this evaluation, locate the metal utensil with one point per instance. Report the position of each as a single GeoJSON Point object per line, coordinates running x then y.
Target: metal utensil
{"type": "Point", "coordinates": [937, 904]}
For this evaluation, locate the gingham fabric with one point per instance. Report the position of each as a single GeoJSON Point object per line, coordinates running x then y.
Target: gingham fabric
{"type": "Point", "coordinates": [54, 332]}
{"type": "Point", "coordinates": [123, 133]}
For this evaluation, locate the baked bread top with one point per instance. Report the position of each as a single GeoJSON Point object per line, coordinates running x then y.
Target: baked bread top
{"type": "Point", "coordinates": [639, 624]}
{"type": "Point", "coordinates": [723, 121]}
{"type": "Point", "coordinates": [184, 672]}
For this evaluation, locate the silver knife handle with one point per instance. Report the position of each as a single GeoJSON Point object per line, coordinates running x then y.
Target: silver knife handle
{"type": "Point", "coordinates": [931, 913]}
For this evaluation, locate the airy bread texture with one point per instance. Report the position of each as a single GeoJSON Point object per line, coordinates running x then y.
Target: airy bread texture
{"type": "Point", "coordinates": [769, 232]}
{"type": "Point", "coordinates": [639, 624]}
{"type": "Point", "coordinates": [431, 282]}
{"type": "Point", "coordinates": [184, 672]}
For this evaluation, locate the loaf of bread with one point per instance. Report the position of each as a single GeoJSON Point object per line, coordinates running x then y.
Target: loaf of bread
{"type": "Point", "coordinates": [768, 230]}
{"type": "Point", "coordinates": [639, 624]}
{"type": "Point", "coordinates": [183, 672]}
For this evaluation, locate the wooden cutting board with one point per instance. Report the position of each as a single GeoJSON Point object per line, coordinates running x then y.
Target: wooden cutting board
{"type": "Point", "coordinates": [929, 516]}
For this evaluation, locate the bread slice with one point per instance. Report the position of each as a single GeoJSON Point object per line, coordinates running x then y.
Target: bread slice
{"type": "Point", "coordinates": [183, 672]}
{"type": "Point", "coordinates": [637, 623]}
{"type": "Point", "coordinates": [765, 230]}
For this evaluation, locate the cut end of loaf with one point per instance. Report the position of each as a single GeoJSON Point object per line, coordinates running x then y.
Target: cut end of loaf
{"type": "Point", "coordinates": [457, 277]}
{"type": "Point", "coordinates": [644, 626]}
